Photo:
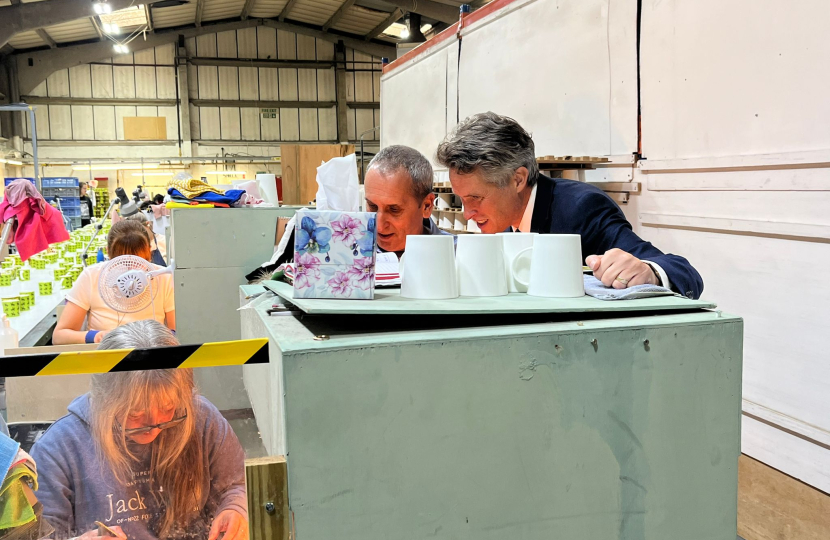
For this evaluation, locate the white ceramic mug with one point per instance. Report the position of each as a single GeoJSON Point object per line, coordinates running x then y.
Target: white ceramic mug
{"type": "Point", "coordinates": [515, 246]}
{"type": "Point", "coordinates": [427, 267]}
{"type": "Point", "coordinates": [480, 262]}
{"type": "Point", "coordinates": [555, 267]}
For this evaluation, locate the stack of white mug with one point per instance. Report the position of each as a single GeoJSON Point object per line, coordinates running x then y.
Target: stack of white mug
{"type": "Point", "coordinates": [548, 265]}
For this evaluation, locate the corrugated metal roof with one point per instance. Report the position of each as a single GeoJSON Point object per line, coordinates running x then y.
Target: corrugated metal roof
{"type": "Point", "coordinates": [215, 10]}
{"type": "Point", "coordinates": [72, 31]}
{"type": "Point", "coordinates": [267, 8]}
{"type": "Point", "coordinates": [359, 20]}
{"type": "Point", "coordinates": [26, 40]}
{"type": "Point", "coordinates": [315, 12]}
{"type": "Point", "coordinates": [174, 16]}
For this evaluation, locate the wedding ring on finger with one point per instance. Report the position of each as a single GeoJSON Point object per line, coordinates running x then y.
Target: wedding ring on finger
{"type": "Point", "coordinates": [621, 280]}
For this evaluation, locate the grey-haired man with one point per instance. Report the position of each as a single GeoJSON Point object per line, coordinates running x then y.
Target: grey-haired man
{"type": "Point", "coordinates": [398, 187]}
{"type": "Point", "coordinates": [492, 165]}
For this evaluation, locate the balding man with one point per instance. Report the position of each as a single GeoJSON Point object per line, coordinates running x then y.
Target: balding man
{"type": "Point", "coordinates": [492, 164]}
{"type": "Point", "coordinates": [398, 187]}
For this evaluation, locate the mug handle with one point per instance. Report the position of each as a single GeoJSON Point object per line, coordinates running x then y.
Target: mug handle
{"type": "Point", "coordinates": [513, 266]}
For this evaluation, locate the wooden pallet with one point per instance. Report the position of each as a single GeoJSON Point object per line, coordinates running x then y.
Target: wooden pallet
{"type": "Point", "coordinates": [558, 163]}
{"type": "Point", "coordinates": [570, 160]}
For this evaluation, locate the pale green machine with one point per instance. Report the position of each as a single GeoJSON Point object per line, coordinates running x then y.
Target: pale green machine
{"type": "Point", "coordinates": [616, 424]}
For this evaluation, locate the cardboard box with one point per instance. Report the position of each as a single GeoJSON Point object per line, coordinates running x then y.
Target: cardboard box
{"type": "Point", "coordinates": [145, 128]}
{"type": "Point", "coordinates": [334, 255]}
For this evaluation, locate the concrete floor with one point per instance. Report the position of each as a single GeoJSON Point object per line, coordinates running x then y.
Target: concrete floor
{"type": "Point", "coordinates": [248, 434]}
{"type": "Point", "coordinates": [223, 387]}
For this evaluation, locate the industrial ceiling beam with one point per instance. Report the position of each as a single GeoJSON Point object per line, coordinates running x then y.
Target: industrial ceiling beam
{"type": "Point", "coordinates": [44, 63]}
{"type": "Point", "coordinates": [148, 12]}
{"type": "Point", "coordinates": [200, 8]}
{"type": "Point", "coordinates": [40, 100]}
{"type": "Point", "coordinates": [246, 10]}
{"type": "Point", "coordinates": [356, 43]}
{"type": "Point", "coordinates": [94, 21]}
{"type": "Point", "coordinates": [33, 15]}
{"type": "Point", "coordinates": [286, 10]}
{"type": "Point", "coordinates": [263, 63]}
{"type": "Point", "coordinates": [428, 8]}
{"type": "Point", "coordinates": [47, 38]}
{"type": "Point", "coordinates": [387, 22]}
{"type": "Point", "coordinates": [338, 14]}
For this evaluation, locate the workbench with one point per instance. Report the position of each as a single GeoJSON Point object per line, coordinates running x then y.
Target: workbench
{"type": "Point", "coordinates": [599, 426]}
{"type": "Point", "coordinates": [34, 327]}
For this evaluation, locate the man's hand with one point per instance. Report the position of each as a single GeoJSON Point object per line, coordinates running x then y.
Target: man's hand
{"type": "Point", "coordinates": [99, 336]}
{"type": "Point", "coordinates": [619, 269]}
{"type": "Point", "coordinates": [232, 524]}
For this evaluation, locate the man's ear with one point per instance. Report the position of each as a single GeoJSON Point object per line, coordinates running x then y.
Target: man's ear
{"type": "Point", "coordinates": [427, 205]}
{"type": "Point", "coordinates": [520, 178]}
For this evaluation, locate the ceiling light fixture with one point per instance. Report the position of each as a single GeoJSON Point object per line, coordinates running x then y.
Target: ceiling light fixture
{"type": "Point", "coordinates": [120, 48]}
{"type": "Point", "coordinates": [11, 162]}
{"type": "Point", "coordinates": [101, 7]}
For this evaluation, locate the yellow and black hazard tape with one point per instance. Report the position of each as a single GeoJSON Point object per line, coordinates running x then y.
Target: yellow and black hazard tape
{"type": "Point", "coordinates": [226, 353]}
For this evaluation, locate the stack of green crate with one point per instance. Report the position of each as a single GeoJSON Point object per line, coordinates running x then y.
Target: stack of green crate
{"type": "Point", "coordinates": [102, 201]}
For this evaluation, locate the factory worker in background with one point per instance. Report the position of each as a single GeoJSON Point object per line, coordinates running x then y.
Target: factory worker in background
{"type": "Point", "coordinates": [144, 454]}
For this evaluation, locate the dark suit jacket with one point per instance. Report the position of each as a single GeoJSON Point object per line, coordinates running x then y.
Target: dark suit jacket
{"type": "Point", "coordinates": [569, 207]}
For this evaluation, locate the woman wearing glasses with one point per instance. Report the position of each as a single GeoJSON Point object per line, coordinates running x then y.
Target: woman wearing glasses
{"type": "Point", "coordinates": [143, 454]}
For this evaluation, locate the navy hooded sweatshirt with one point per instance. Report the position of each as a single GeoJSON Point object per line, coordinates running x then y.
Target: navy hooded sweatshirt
{"type": "Point", "coordinates": [77, 489]}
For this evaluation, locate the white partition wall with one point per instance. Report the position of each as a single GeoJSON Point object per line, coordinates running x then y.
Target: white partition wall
{"type": "Point", "coordinates": [409, 121]}
{"type": "Point", "coordinates": [566, 70]}
{"type": "Point", "coordinates": [735, 172]}
{"type": "Point", "coordinates": [736, 129]}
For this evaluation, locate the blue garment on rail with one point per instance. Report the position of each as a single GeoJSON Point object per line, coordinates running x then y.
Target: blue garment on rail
{"type": "Point", "coordinates": [230, 197]}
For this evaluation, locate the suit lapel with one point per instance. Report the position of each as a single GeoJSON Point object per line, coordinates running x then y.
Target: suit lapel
{"type": "Point", "coordinates": [541, 220]}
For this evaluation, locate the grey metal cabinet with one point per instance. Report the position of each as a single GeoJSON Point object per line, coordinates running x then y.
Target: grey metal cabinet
{"type": "Point", "coordinates": [610, 426]}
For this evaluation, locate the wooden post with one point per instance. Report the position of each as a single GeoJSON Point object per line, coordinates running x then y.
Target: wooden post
{"type": "Point", "coordinates": [266, 481]}
{"type": "Point", "coordinates": [299, 168]}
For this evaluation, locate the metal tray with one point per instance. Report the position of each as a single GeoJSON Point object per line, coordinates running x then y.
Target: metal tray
{"type": "Point", "coordinates": [389, 302]}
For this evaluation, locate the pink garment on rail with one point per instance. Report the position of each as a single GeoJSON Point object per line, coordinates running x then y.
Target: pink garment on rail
{"type": "Point", "coordinates": [160, 210]}
{"type": "Point", "coordinates": [34, 232]}
{"type": "Point", "coordinates": [17, 191]}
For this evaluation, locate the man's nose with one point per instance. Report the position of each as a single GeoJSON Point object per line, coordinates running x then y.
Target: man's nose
{"type": "Point", "coordinates": [382, 221]}
{"type": "Point", "coordinates": [469, 212]}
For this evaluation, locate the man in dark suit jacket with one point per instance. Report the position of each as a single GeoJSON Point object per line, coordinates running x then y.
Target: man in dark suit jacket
{"type": "Point", "coordinates": [492, 165]}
